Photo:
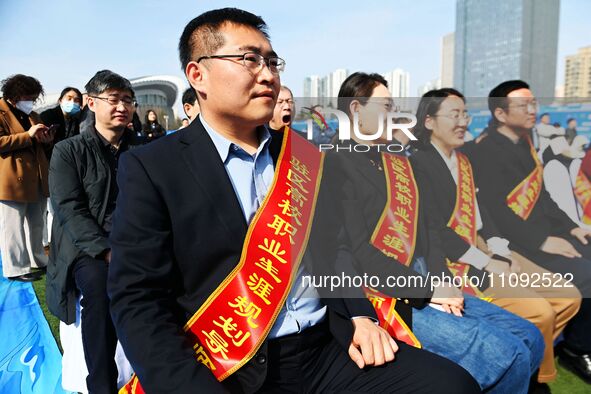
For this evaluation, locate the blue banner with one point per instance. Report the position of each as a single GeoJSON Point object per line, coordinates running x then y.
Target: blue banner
{"type": "Point", "coordinates": [30, 361]}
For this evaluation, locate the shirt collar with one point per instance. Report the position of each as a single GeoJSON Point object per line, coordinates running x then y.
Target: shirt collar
{"type": "Point", "coordinates": [223, 145]}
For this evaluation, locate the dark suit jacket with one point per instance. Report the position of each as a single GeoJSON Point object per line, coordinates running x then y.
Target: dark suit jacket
{"type": "Point", "coordinates": [499, 166]}
{"type": "Point", "coordinates": [178, 231]}
{"type": "Point", "coordinates": [358, 196]}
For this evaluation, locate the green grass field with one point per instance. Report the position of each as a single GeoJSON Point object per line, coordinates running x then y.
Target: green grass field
{"type": "Point", "coordinates": [566, 383]}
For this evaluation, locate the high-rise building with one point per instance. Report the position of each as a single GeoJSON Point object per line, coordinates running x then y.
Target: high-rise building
{"type": "Point", "coordinates": [327, 86]}
{"type": "Point", "coordinates": [577, 74]}
{"type": "Point", "coordinates": [398, 82]}
{"type": "Point", "coordinates": [447, 60]}
{"type": "Point", "coordinates": [434, 84]}
{"type": "Point", "coordinates": [312, 86]}
{"type": "Point", "coordinates": [335, 80]}
{"type": "Point", "coordinates": [506, 39]}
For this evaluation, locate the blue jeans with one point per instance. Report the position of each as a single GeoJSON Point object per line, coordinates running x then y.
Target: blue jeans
{"type": "Point", "coordinates": [499, 349]}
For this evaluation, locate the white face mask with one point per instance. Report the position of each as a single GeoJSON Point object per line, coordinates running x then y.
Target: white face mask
{"type": "Point", "coordinates": [25, 106]}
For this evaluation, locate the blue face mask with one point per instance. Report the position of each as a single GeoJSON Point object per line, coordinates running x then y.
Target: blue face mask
{"type": "Point", "coordinates": [70, 107]}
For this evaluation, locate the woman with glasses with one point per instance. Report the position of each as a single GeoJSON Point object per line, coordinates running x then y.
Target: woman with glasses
{"type": "Point", "coordinates": [23, 179]}
{"type": "Point", "coordinates": [463, 226]}
{"type": "Point", "coordinates": [385, 209]}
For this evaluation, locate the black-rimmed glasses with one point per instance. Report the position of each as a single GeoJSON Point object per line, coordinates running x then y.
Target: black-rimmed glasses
{"type": "Point", "coordinates": [253, 61]}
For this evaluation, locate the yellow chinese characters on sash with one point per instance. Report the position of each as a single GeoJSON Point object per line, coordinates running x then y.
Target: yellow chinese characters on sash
{"type": "Point", "coordinates": [583, 194]}
{"type": "Point", "coordinates": [395, 235]}
{"type": "Point", "coordinates": [523, 198]}
{"type": "Point", "coordinates": [463, 220]}
{"type": "Point", "coordinates": [233, 322]}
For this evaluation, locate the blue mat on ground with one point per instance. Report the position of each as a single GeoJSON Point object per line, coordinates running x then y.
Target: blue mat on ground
{"type": "Point", "coordinates": [30, 361]}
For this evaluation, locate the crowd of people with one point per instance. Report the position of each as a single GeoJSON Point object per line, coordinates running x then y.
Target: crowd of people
{"type": "Point", "coordinates": [192, 250]}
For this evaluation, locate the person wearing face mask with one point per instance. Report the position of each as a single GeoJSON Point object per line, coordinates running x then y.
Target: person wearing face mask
{"type": "Point", "coordinates": [66, 115]}
{"type": "Point", "coordinates": [23, 179]}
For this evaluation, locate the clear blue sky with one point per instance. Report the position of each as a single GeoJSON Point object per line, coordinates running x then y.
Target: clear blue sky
{"type": "Point", "coordinates": [65, 42]}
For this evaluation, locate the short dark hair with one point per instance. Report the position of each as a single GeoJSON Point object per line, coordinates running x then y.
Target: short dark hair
{"type": "Point", "coordinates": [544, 114]}
{"type": "Point", "coordinates": [70, 89]}
{"type": "Point", "coordinates": [18, 86]}
{"type": "Point", "coordinates": [201, 36]}
{"type": "Point", "coordinates": [569, 120]}
{"type": "Point", "coordinates": [428, 106]}
{"type": "Point", "coordinates": [358, 86]}
{"type": "Point", "coordinates": [288, 89]}
{"type": "Point", "coordinates": [105, 80]}
{"type": "Point", "coordinates": [497, 98]}
{"type": "Point", "coordinates": [189, 96]}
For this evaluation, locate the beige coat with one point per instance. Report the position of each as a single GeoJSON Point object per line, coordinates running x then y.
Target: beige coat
{"type": "Point", "coordinates": [23, 163]}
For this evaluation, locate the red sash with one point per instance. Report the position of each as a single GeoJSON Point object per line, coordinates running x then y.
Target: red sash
{"type": "Point", "coordinates": [463, 220]}
{"type": "Point", "coordinates": [395, 235]}
{"type": "Point", "coordinates": [583, 194]}
{"type": "Point", "coordinates": [233, 322]}
{"type": "Point", "coordinates": [523, 198]}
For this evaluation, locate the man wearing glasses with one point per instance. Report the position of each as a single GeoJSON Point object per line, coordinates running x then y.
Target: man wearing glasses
{"type": "Point", "coordinates": [181, 221]}
{"type": "Point", "coordinates": [510, 178]}
{"type": "Point", "coordinates": [83, 191]}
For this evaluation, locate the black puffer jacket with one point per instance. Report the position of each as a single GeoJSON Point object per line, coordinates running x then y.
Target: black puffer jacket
{"type": "Point", "coordinates": [79, 183]}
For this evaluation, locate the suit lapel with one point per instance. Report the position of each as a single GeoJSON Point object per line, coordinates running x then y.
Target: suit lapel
{"type": "Point", "coordinates": [442, 179]}
{"type": "Point", "coordinates": [204, 163]}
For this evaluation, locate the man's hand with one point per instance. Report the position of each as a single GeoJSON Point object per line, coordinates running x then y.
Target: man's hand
{"type": "Point", "coordinates": [581, 234]}
{"type": "Point", "coordinates": [560, 246]}
{"type": "Point", "coordinates": [498, 267]}
{"type": "Point", "coordinates": [371, 344]}
{"type": "Point", "coordinates": [108, 256]}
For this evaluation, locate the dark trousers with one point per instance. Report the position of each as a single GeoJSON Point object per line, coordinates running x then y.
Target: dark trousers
{"type": "Point", "coordinates": [313, 362]}
{"type": "Point", "coordinates": [576, 332]}
{"type": "Point", "coordinates": [98, 333]}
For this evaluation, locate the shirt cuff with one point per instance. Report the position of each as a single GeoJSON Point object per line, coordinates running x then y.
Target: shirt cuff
{"type": "Point", "coordinates": [366, 317]}
{"type": "Point", "coordinates": [475, 257]}
{"type": "Point", "coordinates": [499, 246]}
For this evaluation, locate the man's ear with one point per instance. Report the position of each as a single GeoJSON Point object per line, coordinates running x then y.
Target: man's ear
{"type": "Point", "coordinates": [196, 74]}
{"type": "Point", "coordinates": [91, 104]}
{"type": "Point", "coordinates": [354, 106]}
{"type": "Point", "coordinates": [500, 115]}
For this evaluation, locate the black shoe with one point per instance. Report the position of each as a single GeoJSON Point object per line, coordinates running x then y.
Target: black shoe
{"type": "Point", "coordinates": [539, 388]}
{"type": "Point", "coordinates": [40, 270]}
{"type": "Point", "coordinates": [30, 277]}
{"type": "Point", "coordinates": [579, 364]}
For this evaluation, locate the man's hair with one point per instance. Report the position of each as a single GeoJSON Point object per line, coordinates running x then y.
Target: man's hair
{"type": "Point", "coordinates": [569, 120]}
{"type": "Point", "coordinates": [283, 87]}
{"type": "Point", "coordinates": [18, 86]}
{"type": "Point", "coordinates": [105, 80]}
{"type": "Point", "coordinates": [189, 96]}
{"type": "Point", "coordinates": [497, 98]}
{"type": "Point", "coordinates": [202, 36]}
{"type": "Point", "coordinates": [544, 114]}
{"type": "Point", "coordinates": [358, 86]}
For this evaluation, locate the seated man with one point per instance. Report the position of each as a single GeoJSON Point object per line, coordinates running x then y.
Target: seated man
{"type": "Point", "coordinates": [83, 192]}
{"type": "Point", "coordinates": [191, 313]}
{"type": "Point", "coordinates": [509, 175]}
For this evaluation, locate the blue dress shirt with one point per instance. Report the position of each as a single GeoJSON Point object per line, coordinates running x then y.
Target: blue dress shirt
{"type": "Point", "coordinates": [251, 177]}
